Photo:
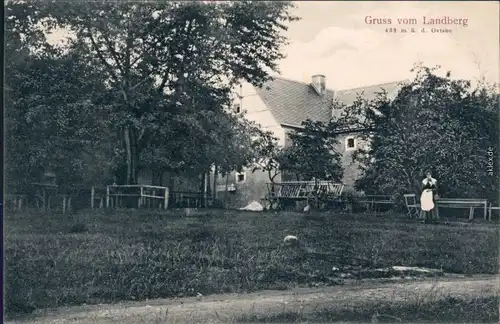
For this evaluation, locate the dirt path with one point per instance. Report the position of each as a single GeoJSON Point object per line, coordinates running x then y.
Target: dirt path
{"type": "Point", "coordinates": [225, 308]}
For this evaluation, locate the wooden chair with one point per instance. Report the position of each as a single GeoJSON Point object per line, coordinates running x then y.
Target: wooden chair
{"type": "Point", "coordinates": [412, 205]}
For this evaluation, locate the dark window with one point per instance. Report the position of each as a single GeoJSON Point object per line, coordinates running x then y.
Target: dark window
{"type": "Point", "coordinates": [241, 177]}
{"type": "Point", "coordinates": [350, 143]}
{"type": "Point", "coordinates": [237, 108]}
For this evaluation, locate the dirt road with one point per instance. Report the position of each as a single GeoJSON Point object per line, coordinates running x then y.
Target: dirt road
{"type": "Point", "coordinates": [225, 308]}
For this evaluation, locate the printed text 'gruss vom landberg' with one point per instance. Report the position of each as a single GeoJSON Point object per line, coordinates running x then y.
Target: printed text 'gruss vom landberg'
{"type": "Point", "coordinates": [425, 20]}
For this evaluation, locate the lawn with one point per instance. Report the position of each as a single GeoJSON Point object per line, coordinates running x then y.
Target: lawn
{"type": "Point", "coordinates": [440, 310]}
{"type": "Point", "coordinates": [54, 260]}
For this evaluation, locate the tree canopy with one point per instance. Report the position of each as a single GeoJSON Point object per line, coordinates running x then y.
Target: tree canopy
{"type": "Point", "coordinates": [166, 61]}
{"type": "Point", "coordinates": [55, 115]}
{"type": "Point", "coordinates": [149, 83]}
{"type": "Point", "coordinates": [434, 123]}
{"type": "Point", "coordinates": [313, 153]}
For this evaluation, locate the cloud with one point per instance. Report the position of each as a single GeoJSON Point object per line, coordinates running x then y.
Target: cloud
{"type": "Point", "coordinates": [357, 54]}
{"type": "Point", "coordinates": [362, 56]}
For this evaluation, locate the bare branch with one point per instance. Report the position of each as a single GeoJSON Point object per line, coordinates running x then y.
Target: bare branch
{"type": "Point", "coordinates": [114, 54]}
{"type": "Point", "coordinates": [139, 83]}
{"type": "Point", "coordinates": [101, 57]}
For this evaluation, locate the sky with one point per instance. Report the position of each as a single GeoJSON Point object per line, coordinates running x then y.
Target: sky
{"type": "Point", "coordinates": [333, 38]}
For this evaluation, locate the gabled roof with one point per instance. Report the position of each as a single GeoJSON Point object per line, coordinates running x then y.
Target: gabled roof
{"type": "Point", "coordinates": [292, 102]}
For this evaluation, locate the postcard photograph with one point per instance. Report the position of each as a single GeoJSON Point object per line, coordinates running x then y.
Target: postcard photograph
{"type": "Point", "coordinates": [251, 162]}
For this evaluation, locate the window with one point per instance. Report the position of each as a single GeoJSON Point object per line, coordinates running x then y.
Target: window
{"type": "Point", "coordinates": [240, 177]}
{"type": "Point", "coordinates": [237, 108]}
{"type": "Point", "coordinates": [350, 143]}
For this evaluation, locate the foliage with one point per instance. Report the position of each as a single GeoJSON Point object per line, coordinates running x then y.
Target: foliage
{"type": "Point", "coordinates": [313, 152]}
{"type": "Point", "coordinates": [54, 118]}
{"type": "Point", "coordinates": [165, 62]}
{"type": "Point", "coordinates": [434, 123]}
{"type": "Point", "coordinates": [268, 154]}
{"type": "Point", "coordinates": [211, 138]}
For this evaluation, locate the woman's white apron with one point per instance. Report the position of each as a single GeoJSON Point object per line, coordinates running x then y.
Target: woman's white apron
{"type": "Point", "coordinates": [426, 200]}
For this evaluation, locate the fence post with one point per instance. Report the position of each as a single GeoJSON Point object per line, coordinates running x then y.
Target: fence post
{"type": "Point", "coordinates": [165, 200]}
{"type": "Point", "coordinates": [107, 196]}
{"type": "Point", "coordinates": [140, 198]}
{"type": "Point", "coordinates": [64, 204]}
{"type": "Point", "coordinates": [69, 204]}
{"type": "Point", "coordinates": [44, 206]}
{"type": "Point", "coordinates": [48, 202]}
{"type": "Point", "coordinates": [92, 197]}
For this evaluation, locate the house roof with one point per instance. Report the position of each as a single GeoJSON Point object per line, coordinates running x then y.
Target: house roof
{"type": "Point", "coordinates": [292, 102]}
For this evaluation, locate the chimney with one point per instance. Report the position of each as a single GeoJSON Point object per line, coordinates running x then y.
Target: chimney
{"type": "Point", "coordinates": [319, 84]}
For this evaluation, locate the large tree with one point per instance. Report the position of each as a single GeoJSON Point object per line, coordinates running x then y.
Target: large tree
{"type": "Point", "coordinates": [54, 118]}
{"type": "Point", "coordinates": [434, 123]}
{"type": "Point", "coordinates": [165, 59]}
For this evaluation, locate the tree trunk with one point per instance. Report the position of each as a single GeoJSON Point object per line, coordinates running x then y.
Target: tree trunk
{"type": "Point", "coordinates": [208, 187]}
{"type": "Point", "coordinates": [202, 190]}
{"type": "Point", "coordinates": [226, 191]}
{"type": "Point", "coordinates": [132, 158]}
{"type": "Point", "coordinates": [128, 150]}
{"type": "Point", "coordinates": [216, 171]}
{"type": "Point", "coordinates": [171, 181]}
{"type": "Point", "coordinates": [157, 177]}
{"type": "Point", "coordinates": [135, 157]}
{"type": "Point", "coordinates": [160, 182]}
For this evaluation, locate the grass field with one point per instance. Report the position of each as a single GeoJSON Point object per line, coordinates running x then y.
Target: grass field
{"type": "Point", "coordinates": [439, 310]}
{"type": "Point", "coordinates": [54, 260]}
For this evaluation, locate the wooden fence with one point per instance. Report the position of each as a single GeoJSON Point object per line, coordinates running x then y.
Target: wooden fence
{"type": "Point", "coordinates": [144, 196]}
{"type": "Point", "coordinates": [190, 199]}
{"type": "Point", "coordinates": [113, 196]}
{"type": "Point", "coordinates": [140, 196]}
{"type": "Point", "coordinates": [52, 201]}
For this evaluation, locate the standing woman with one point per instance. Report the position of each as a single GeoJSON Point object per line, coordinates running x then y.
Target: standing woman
{"type": "Point", "coordinates": [429, 192]}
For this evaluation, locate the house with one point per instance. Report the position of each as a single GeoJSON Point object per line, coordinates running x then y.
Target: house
{"type": "Point", "coordinates": [280, 106]}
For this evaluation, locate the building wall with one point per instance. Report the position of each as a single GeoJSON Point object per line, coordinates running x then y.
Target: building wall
{"type": "Point", "coordinates": [254, 187]}
{"type": "Point", "coordinates": [241, 193]}
{"type": "Point", "coordinates": [351, 169]}
{"type": "Point", "coordinates": [256, 111]}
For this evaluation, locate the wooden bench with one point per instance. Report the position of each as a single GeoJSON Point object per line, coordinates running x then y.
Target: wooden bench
{"type": "Point", "coordinates": [490, 209]}
{"type": "Point", "coordinates": [373, 200]}
{"type": "Point", "coordinates": [463, 203]}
